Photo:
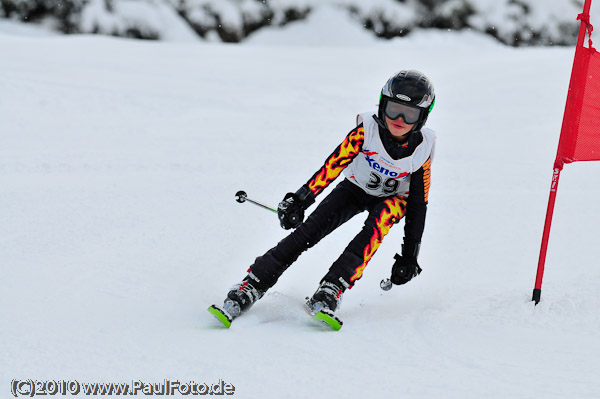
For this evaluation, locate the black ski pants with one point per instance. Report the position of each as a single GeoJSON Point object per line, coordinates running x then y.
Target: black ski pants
{"type": "Point", "coordinates": [345, 201]}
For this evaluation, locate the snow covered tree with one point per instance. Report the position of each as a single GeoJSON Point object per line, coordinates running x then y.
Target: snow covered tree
{"type": "Point", "coordinates": [62, 13]}
{"type": "Point", "coordinates": [513, 22]}
{"type": "Point", "coordinates": [234, 20]}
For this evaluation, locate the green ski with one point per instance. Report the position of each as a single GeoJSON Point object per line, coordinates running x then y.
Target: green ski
{"type": "Point", "coordinates": [221, 315]}
{"type": "Point", "coordinates": [326, 316]}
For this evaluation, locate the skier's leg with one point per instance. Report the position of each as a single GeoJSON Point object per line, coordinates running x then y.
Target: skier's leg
{"type": "Point", "coordinates": [350, 265]}
{"type": "Point", "coordinates": [338, 207]}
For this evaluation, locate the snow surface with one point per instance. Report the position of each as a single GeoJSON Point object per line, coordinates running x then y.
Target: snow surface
{"type": "Point", "coordinates": [119, 164]}
{"type": "Point", "coordinates": [9, 27]}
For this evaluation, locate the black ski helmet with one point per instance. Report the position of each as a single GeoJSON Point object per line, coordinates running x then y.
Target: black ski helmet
{"type": "Point", "coordinates": [412, 88]}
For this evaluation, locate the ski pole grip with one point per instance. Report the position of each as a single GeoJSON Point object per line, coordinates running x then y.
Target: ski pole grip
{"type": "Point", "coordinates": [241, 196]}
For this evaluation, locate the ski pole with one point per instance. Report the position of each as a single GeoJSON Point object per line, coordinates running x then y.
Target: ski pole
{"type": "Point", "coordinates": [242, 197]}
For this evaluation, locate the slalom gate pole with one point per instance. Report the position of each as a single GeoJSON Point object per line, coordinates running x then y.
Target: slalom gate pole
{"type": "Point", "coordinates": [537, 291]}
{"type": "Point", "coordinates": [584, 24]}
{"type": "Point", "coordinates": [558, 166]}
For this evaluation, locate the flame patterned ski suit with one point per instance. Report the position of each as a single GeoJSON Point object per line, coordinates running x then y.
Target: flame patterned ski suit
{"type": "Point", "coordinates": [348, 199]}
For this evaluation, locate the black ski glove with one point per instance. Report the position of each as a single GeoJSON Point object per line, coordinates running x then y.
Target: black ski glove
{"type": "Point", "coordinates": [406, 267]}
{"type": "Point", "coordinates": [291, 210]}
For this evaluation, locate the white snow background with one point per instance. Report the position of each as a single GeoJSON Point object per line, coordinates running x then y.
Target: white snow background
{"type": "Point", "coordinates": [119, 161]}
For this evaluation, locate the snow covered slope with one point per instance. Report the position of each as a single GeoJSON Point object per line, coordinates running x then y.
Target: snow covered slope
{"type": "Point", "coordinates": [119, 161]}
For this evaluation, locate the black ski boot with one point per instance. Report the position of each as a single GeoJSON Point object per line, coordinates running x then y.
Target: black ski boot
{"type": "Point", "coordinates": [239, 299]}
{"type": "Point", "coordinates": [325, 301]}
{"type": "Point", "coordinates": [242, 296]}
{"type": "Point", "coordinates": [328, 296]}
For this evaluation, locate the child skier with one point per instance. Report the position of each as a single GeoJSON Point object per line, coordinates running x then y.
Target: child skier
{"type": "Point", "coordinates": [387, 161]}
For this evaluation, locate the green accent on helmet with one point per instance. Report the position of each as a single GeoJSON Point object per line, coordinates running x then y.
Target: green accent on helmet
{"type": "Point", "coordinates": [431, 106]}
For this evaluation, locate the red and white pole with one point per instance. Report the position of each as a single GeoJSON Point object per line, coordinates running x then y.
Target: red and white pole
{"type": "Point", "coordinates": [537, 291]}
{"type": "Point", "coordinates": [558, 165]}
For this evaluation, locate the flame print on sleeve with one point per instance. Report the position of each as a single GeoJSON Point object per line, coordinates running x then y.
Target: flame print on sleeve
{"type": "Point", "coordinates": [338, 160]}
{"type": "Point", "coordinates": [393, 210]}
{"type": "Point", "coordinates": [427, 177]}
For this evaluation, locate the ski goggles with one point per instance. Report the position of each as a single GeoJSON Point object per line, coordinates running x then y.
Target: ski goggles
{"type": "Point", "coordinates": [394, 110]}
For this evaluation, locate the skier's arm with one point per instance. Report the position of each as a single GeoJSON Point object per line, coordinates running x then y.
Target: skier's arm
{"type": "Point", "coordinates": [416, 209]}
{"type": "Point", "coordinates": [291, 210]}
{"type": "Point", "coordinates": [406, 266]}
{"type": "Point", "coordinates": [337, 161]}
